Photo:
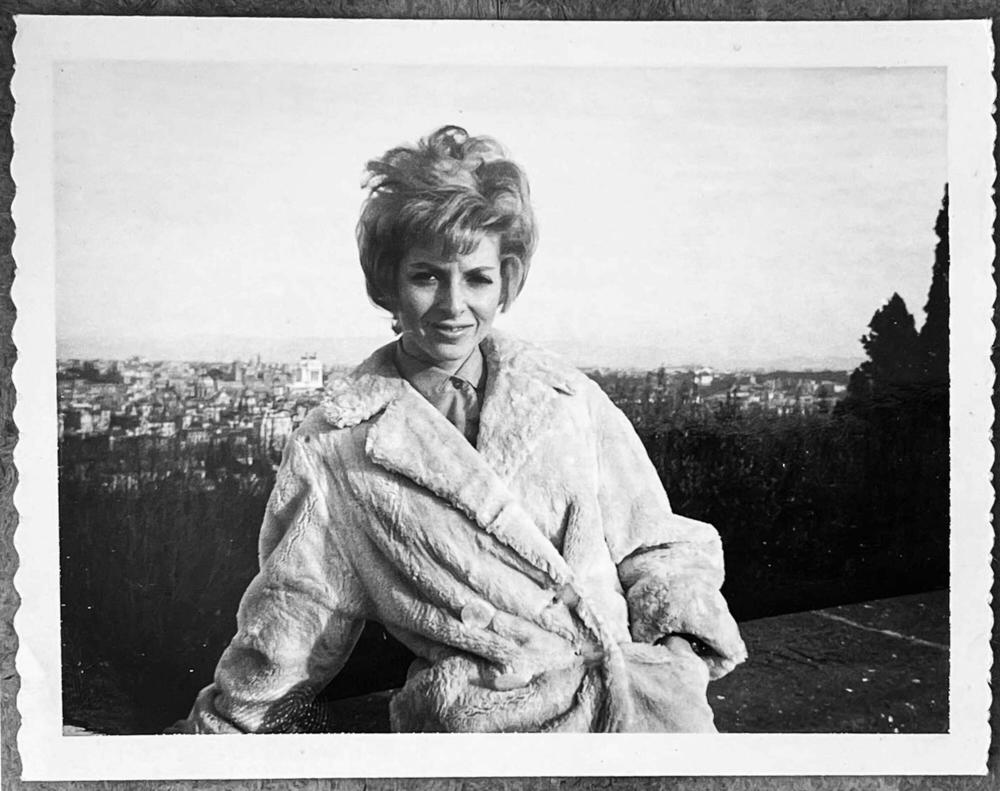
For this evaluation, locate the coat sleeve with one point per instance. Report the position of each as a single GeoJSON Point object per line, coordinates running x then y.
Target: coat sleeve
{"type": "Point", "coordinates": [670, 567]}
{"type": "Point", "coordinates": [300, 617]}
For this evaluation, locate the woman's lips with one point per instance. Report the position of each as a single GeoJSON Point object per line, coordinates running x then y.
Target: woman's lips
{"type": "Point", "coordinates": [451, 330]}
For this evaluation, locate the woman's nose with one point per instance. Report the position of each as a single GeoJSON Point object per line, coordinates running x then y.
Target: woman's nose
{"type": "Point", "coordinates": [451, 298]}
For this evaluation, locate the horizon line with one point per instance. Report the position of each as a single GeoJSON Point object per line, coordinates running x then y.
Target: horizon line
{"type": "Point", "coordinates": [803, 366]}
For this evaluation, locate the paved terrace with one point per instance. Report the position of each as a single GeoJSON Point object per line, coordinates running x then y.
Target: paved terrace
{"type": "Point", "coordinates": [876, 667]}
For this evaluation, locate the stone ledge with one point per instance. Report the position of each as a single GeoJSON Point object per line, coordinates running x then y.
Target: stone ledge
{"type": "Point", "coordinates": [876, 667]}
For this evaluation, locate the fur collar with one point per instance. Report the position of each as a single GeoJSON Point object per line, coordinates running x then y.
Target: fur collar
{"type": "Point", "coordinates": [374, 384]}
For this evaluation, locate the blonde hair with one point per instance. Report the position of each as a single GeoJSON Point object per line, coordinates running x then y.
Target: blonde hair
{"type": "Point", "coordinates": [447, 193]}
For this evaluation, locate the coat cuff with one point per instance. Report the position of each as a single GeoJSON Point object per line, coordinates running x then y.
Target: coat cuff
{"type": "Point", "coordinates": [675, 564]}
{"type": "Point", "coordinates": [691, 608]}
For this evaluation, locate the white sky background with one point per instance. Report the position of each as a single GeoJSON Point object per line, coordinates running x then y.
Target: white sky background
{"type": "Point", "coordinates": [720, 216]}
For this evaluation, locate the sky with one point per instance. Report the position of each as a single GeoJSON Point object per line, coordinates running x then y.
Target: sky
{"type": "Point", "coordinates": [724, 217]}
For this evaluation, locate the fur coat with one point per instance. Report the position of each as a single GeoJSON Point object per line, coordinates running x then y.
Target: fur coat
{"type": "Point", "coordinates": [538, 577]}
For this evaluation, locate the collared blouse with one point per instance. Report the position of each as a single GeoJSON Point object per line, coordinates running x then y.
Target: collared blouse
{"type": "Point", "coordinates": [457, 396]}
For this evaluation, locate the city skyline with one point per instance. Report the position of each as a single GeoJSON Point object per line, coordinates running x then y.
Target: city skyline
{"type": "Point", "coordinates": [193, 402]}
{"type": "Point", "coordinates": [288, 352]}
{"type": "Point", "coordinates": [718, 217]}
{"type": "Point", "coordinates": [341, 367]}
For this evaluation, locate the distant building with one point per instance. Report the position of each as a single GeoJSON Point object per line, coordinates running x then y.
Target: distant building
{"type": "Point", "coordinates": [165, 428]}
{"type": "Point", "coordinates": [204, 386]}
{"type": "Point", "coordinates": [232, 389]}
{"type": "Point", "coordinates": [309, 375]}
{"type": "Point", "coordinates": [78, 419]}
{"type": "Point", "coordinates": [197, 435]}
{"type": "Point", "coordinates": [222, 400]}
{"type": "Point", "coordinates": [102, 421]}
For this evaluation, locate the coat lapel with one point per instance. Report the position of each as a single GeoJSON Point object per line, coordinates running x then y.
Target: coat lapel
{"type": "Point", "coordinates": [408, 436]}
{"type": "Point", "coordinates": [413, 439]}
{"type": "Point", "coordinates": [522, 395]}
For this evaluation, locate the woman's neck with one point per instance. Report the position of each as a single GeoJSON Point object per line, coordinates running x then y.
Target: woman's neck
{"type": "Point", "coordinates": [448, 366]}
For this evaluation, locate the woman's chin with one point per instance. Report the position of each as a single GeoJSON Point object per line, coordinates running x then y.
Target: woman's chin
{"type": "Point", "coordinates": [443, 349]}
{"type": "Point", "coordinates": [445, 353]}
{"type": "Point", "coordinates": [447, 349]}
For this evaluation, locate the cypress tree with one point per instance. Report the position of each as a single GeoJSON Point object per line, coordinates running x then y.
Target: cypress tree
{"type": "Point", "coordinates": [894, 353]}
{"type": "Point", "coordinates": [934, 333]}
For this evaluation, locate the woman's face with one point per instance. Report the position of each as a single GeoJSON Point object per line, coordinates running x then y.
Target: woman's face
{"type": "Point", "coordinates": [446, 305]}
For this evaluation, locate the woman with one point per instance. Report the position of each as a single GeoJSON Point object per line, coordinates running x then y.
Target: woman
{"type": "Point", "coordinates": [480, 498]}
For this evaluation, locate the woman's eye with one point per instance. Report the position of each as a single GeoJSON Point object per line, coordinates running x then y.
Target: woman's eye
{"type": "Point", "coordinates": [423, 277]}
{"type": "Point", "coordinates": [481, 280]}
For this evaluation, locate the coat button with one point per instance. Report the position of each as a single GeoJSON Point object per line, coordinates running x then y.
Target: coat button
{"type": "Point", "coordinates": [477, 614]}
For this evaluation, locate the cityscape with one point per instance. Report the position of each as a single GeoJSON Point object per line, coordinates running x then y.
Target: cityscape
{"type": "Point", "coordinates": [252, 406]}
{"type": "Point", "coordinates": [137, 397]}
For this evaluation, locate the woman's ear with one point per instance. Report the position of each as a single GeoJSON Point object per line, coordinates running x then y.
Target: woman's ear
{"type": "Point", "coordinates": [397, 327]}
{"type": "Point", "coordinates": [512, 275]}
{"type": "Point", "coordinates": [388, 303]}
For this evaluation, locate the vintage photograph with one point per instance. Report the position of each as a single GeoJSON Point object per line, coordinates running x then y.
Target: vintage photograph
{"type": "Point", "coordinates": [413, 393]}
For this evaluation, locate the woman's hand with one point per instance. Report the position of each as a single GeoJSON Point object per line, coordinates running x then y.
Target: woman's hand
{"type": "Point", "coordinates": [660, 611]}
{"type": "Point", "coordinates": [181, 726]}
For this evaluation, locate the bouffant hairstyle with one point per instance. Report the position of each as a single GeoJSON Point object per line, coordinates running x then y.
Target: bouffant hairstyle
{"type": "Point", "coordinates": [447, 193]}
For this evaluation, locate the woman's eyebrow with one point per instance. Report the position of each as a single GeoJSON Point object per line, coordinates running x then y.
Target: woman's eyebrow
{"type": "Point", "coordinates": [420, 263]}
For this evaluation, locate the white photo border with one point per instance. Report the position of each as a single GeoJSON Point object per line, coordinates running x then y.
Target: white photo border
{"type": "Point", "coordinates": [964, 48]}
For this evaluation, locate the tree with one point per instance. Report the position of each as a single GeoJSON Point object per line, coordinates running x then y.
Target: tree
{"type": "Point", "coordinates": [934, 333]}
{"type": "Point", "coordinates": [894, 353]}
{"type": "Point", "coordinates": [899, 358]}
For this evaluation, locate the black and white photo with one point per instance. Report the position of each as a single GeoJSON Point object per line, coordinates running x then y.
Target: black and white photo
{"type": "Point", "coordinates": [683, 329]}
